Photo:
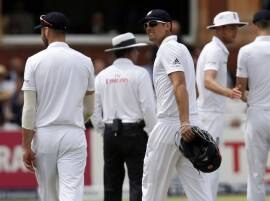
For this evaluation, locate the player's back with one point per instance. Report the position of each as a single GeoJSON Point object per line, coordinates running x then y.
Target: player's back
{"type": "Point", "coordinates": [61, 77]}
{"type": "Point", "coordinates": [257, 60]}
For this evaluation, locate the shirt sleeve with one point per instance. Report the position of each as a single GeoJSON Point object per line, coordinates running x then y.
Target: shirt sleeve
{"type": "Point", "coordinates": [212, 60]}
{"type": "Point", "coordinates": [172, 58]}
{"type": "Point", "coordinates": [97, 117]}
{"type": "Point", "coordinates": [29, 76]}
{"type": "Point", "coordinates": [91, 80]}
{"type": "Point", "coordinates": [147, 101]}
{"type": "Point", "coordinates": [242, 70]}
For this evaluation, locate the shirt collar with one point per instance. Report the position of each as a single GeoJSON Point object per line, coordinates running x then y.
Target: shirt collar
{"type": "Point", "coordinates": [220, 44]}
{"type": "Point", "coordinates": [122, 61]}
{"type": "Point", "coordinates": [58, 44]}
{"type": "Point", "coordinates": [168, 38]}
{"type": "Point", "coordinates": [262, 38]}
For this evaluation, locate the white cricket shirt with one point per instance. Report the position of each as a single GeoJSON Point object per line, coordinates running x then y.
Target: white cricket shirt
{"type": "Point", "coordinates": [254, 64]}
{"type": "Point", "coordinates": [214, 56]}
{"type": "Point", "coordinates": [171, 57]}
{"type": "Point", "coordinates": [124, 90]}
{"type": "Point", "coordinates": [60, 76]}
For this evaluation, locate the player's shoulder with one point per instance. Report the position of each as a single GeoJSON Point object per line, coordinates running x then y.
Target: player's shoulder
{"type": "Point", "coordinates": [248, 47]}
{"type": "Point", "coordinates": [172, 47]}
{"type": "Point", "coordinates": [172, 44]}
{"type": "Point", "coordinates": [209, 45]}
{"type": "Point", "coordinates": [80, 55]}
{"type": "Point", "coordinates": [37, 57]}
{"type": "Point", "coordinates": [211, 48]}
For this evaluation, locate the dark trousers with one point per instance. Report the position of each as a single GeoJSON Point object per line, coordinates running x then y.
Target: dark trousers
{"type": "Point", "coordinates": [125, 147]}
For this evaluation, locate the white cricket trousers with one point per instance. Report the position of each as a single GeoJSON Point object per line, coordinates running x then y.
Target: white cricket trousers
{"type": "Point", "coordinates": [61, 159]}
{"type": "Point", "coordinates": [162, 157]}
{"type": "Point", "coordinates": [257, 148]}
{"type": "Point", "coordinates": [213, 123]}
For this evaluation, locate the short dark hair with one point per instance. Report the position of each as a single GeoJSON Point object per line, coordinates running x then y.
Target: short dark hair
{"type": "Point", "coordinates": [262, 19]}
{"type": "Point", "coordinates": [123, 52]}
{"type": "Point", "coordinates": [263, 24]}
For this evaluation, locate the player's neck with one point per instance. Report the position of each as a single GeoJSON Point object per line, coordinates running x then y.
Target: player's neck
{"type": "Point", "coordinates": [265, 32]}
{"type": "Point", "coordinates": [57, 39]}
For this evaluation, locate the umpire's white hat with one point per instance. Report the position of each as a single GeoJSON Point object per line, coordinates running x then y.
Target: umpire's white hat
{"type": "Point", "coordinates": [124, 41]}
{"type": "Point", "coordinates": [226, 18]}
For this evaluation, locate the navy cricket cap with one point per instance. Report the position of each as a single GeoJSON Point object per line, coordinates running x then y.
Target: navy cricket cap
{"type": "Point", "coordinates": [157, 14]}
{"type": "Point", "coordinates": [53, 20]}
{"type": "Point", "coordinates": [261, 15]}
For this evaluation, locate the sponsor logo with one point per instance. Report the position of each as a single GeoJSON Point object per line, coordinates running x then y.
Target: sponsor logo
{"type": "Point", "coordinates": [117, 80]}
{"type": "Point", "coordinates": [176, 61]}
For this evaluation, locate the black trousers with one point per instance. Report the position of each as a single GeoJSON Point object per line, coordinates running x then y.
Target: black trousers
{"type": "Point", "coordinates": [125, 147]}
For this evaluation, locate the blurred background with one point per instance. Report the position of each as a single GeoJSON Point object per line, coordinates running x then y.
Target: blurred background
{"type": "Point", "coordinates": [93, 24]}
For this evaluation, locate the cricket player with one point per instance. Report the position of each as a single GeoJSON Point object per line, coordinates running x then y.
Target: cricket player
{"type": "Point", "coordinates": [174, 82]}
{"type": "Point", "coordinates": [212, 80]}
{"type": "Point", "coordinates": [58, 91]}
{"type": "Point", "coordinates": [253, 72]}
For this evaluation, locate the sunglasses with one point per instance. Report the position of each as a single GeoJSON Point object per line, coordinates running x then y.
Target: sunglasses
{"type": "Point", "coordinates": [46, 23]}
{"type": "Point", "coordinates": [152, 23]}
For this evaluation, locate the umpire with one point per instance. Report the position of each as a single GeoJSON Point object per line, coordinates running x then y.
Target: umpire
{"type": "Point", "coordinates": [125, 109]}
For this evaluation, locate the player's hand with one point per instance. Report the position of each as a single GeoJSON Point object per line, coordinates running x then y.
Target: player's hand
{"type": "Point", "coordinates": [29, 159]}
{"type": "Point", "coordinates": [186, 132]}
{"type": "Point", "coordinates": [236, 93]}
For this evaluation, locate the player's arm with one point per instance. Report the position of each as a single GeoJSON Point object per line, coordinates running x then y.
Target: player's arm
{"type": "Point", "coordinates": [241, 83]}
{"type": "Point", "coordinates": [88, 103]}
{"type": "Point", "coordinates": [182, 100]}
{"type": "Point", "coordinates": [28, 128]}
{"type": "Point", "coordinates": [211, 84]}
{"type": "Point", "coordinates": [147, 101]}
{"type": "Point", "coordinates": [242, 72]}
